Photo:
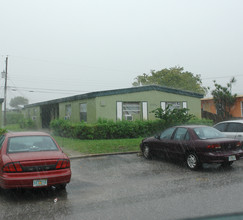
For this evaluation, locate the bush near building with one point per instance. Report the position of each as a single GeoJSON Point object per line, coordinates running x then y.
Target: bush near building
{"type": "Point", "coordinates": [114, 130]}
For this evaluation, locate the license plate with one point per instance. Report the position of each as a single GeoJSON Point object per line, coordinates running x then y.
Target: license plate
{"type": "Point", "coordinates": [42, 182]}
{"type": "Point", "coordinates": [232, 158]}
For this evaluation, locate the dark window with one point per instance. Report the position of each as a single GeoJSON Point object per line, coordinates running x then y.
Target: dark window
{"type": "Point", "coordinates": [2, 138]}
{"type": "Point", "coordinates": [187, 137]}
{"type": "Point", "coordinates": [167, 133]}
{"type": "Point", "coordinates": [180, 134]}
{"type": "Point", "coordinates": [221, 127]}
{"type": "Point", "coordinates": [83, 112]}
{"type": "Point", "coordinates": [208, 133]}
{"type": "Point", "coordinates": [235, 127]}
{"type": "Point", "coordinates": [31, 143]}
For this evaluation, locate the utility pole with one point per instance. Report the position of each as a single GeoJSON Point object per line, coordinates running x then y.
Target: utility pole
{"type": "Point", "coordinates": [5, 93]}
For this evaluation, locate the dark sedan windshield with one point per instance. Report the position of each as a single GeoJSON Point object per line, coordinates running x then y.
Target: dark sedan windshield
{"type": "Point", "coordinates": [31, 143]}
{"type": "Point", "coordinates": [208, 133]}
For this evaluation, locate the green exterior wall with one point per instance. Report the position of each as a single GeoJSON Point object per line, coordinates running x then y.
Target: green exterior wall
{"type": "Point", "coordinates": [33, 113]}
{"type": "Point", "coordinates": [103, 105]}
{"type": "Point", "coordinates": [108, 107]}
{"type": "Point", "coordinates": [75, 108]}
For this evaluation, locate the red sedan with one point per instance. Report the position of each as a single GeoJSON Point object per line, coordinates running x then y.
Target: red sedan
{"type": "Point", "coordinates": [194, 144]}
{"type": "Point", "coordinates": [32, 160]}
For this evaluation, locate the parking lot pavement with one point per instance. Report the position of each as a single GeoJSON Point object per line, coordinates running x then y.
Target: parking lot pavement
{"type": "Point", "coordinates": [130, 187]}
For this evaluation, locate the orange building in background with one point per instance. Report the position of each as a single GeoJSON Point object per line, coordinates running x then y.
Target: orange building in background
{"type": "Point", "coordinates": [207, 105]}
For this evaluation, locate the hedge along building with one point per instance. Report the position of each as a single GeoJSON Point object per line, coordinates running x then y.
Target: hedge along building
{"type": "Point", "coordinates": [134, 103]}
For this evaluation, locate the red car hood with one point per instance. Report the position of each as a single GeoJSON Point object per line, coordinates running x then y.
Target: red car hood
{"type": "Point", "coordinates": [31, 156]}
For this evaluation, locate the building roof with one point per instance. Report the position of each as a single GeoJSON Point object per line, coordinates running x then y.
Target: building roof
{"type": "Point", "coordinates": [211, 98]}
{"type": "Point", "coordinates": [119, 92]}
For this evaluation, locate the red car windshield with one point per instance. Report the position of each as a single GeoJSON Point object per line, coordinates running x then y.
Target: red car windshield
{"type": "Point", "coordinates": [208, 133]}
{"type": "Point", "coordinates": [30, 144]}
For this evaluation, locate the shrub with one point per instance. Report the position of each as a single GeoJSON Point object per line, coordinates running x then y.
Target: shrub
{"type": "Point", "coordinates": [14, 117]}
{"type": "Point", "coordinates": [106, 129]}
{"type": "Point", "coordinates": [3, 131]}
{"type": "Point", "coordinates": [113, 130]}
{"type": "Point", "coordinates": [203, 121]}
{"type": "Point", "coordinates": [27, 123]}
{"type": "Point", "coordinates": [173, 116]}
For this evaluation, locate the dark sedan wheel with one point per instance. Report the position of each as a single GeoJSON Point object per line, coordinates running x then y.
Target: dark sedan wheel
{"type": "Point", "coordinates": [192, 161]}
{"type": "Point", "coordinates": [146, 152]}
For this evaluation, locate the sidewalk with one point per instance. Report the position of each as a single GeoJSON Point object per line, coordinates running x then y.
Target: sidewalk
{"type": "Point", "coordinates": [75, 154]}
{"type": "Point", "coordinates": [72, 153]}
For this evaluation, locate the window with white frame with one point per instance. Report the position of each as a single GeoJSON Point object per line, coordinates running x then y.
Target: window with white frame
{"type": "Point", "coordinates": [173, 105]}
{"type": "Point", "coordinates": [131, 110]}
{"type": "Point", "coordinates": [83, 112]}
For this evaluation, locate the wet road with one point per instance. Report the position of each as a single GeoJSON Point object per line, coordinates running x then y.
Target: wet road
{"type": "Point", "coordinates": [130, 187]}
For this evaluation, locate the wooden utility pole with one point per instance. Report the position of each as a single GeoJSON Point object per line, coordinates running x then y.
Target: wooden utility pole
{"type": "Point", "coordinates": [5, 94]}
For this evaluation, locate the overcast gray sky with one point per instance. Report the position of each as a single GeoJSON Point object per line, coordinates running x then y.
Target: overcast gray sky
{"type": "Point", "coordinates": [59, 48]}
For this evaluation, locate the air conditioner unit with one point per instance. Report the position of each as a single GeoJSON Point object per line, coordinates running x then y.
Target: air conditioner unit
{"type": "Point", "coordinates": [33, 118]}
{"type": "Point", "coordinates": [128, 117]}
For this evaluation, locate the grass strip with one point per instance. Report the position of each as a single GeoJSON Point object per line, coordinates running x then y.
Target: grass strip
{"type": "Point", "coordinates": [99, 146]}
{"type": "Point", "coordinates": [92, 146]}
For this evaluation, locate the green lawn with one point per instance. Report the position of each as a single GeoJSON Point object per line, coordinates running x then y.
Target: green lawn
{"type": "Point", "coordinates": [93, 146]}
{"type": "Point", "coordinates": [99, 146]}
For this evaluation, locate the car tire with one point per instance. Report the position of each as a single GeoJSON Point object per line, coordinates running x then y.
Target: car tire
{"type": "Point", "coordinates": [192, 161]}
{"type": "Point", "coordinates": [146, 152]}
{"type": "Point", "coordinates": [227, 164]}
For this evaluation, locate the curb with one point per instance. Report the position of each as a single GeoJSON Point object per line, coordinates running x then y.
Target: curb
{"type": "Point", "coordinates": [101, 155]}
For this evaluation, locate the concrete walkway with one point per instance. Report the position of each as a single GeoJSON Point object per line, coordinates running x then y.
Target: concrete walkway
{"type": "Point", "coordinates": [72, 153]}
{"type": "Point", "coordinates": [75, 154]}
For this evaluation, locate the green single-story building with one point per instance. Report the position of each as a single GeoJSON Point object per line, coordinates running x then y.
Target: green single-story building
{"type": "Point", "coordinates": [134, 103]}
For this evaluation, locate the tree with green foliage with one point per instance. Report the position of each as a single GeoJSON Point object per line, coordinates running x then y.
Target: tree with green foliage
{"type": "Point", "coordinates": [173, 77]}
{"type": "Point", "coordinates": [224, 99]}
{"type": "Point", "coordinates": [173, 116]}
{"type": "Point", "coordinates": [16, 102]}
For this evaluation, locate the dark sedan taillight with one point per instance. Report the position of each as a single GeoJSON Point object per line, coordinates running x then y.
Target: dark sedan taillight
{"type": "Point", "coordinates": [239, 144]}
{"type": "Point", "coordinates": [63, 164]}
{"type": "Point", "coordinates": [12, 168]}
{"type": "Point", "coordinates": [214, 146]}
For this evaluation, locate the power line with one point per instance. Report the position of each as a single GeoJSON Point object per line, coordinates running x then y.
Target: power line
{"type": "Point", "coordinates": [218, 77]}
{"type": "Point", "coordinates": [55, 90]}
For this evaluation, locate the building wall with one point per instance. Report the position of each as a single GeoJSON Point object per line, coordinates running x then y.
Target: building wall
{"type": "Point", "coordinates": [33, 113]}
{"type": "Point", "coordinates": [75, 110]}
{"type": "Point", "coordinates": [106, 105]}
{"type": "Point", "coordinates": [236, 111]}
{"type": "Point", "coordinates": [208, 106]}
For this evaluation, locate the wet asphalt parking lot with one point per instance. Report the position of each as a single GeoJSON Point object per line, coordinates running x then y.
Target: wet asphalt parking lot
{"type": "Point", "coordinates": [131, 187]}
